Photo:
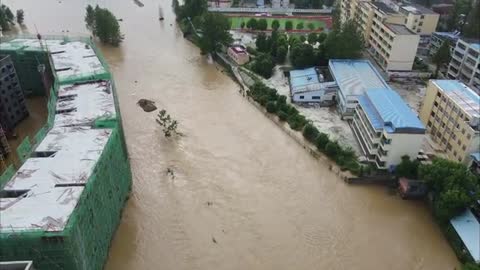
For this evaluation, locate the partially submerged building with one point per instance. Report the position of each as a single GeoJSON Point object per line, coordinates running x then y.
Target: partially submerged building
{"type": "Point", "coordinates": [353, 78]}
{"type": "Point", "coordinates": [239, 54]}
{"type": "Point", "coordinates": [451, 113]}
{"type": "Point", "coordinates": [312, 85]}
{"type": "Point", "coordinates": [386, 128]}
{"type": "Point", "coordinates": [13, 108]}
{"type": "Point", "coordinates": [63, 205]}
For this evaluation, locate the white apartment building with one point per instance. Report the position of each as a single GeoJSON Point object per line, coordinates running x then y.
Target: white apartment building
{"type": "Point", "coordinates": [465, 63]}
{"type": "Point", "coordinates": [280, 3]}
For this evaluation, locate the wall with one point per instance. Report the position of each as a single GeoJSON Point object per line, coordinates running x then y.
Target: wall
{"type": "Point", "coordinates": [309, 96]}
{"type": "Point", "coordinates": [427, 103]}
{"type": "Point", "coordinates": [402, 54]}
{"type": "Point", "coordinates": [403, 144]}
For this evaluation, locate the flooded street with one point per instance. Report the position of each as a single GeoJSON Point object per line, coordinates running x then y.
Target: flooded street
{"type": "Point", "coordinates": [245, 195]}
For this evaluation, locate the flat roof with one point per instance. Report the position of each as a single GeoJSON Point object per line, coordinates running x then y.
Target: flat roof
{"type": "Point", "coordinates": [465, 97]}
{"type": "Point", "coordinates": [54, 183]}
{"type": "Point", "coordinates": [387, 110]}
{"type": "Point", "coordinates": [399, 29]}
{"type": "Point", "coordinates": [81, 104]}
{"type": "Point", "coordinates": [468, 228]}
{"type": "Point", "coordinates": [417, 9]}
{"type": "Point", "coordinates": [383, 7]}
{"type": "Point", "coordinates": [354, 77]}
{"type": "Point", "coordinates": [71, 59]}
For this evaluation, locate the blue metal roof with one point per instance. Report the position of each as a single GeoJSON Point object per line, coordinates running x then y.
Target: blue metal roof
{"type": "Point", "coordinates": [302, 77]}
{"type": "Point", "coordinates": [468, 228]}
{"type": "Point", "coordinates": [476, 157]}
{"type": "Point", "coordinates": [475, 46]}
{"type": "Point", "coordinates": [463, 95]}
{"type": "Point", "coordinates": [354, 77]}
{"type": "Point", "coordinates": [387, 110]}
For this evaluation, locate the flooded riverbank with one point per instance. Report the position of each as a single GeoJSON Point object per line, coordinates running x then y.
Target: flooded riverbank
{"type": "Point", "coordinates": [245, 195]}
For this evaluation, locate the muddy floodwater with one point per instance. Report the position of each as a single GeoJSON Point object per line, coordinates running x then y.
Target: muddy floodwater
{"type": "Point", "coordinates": [244, 195]}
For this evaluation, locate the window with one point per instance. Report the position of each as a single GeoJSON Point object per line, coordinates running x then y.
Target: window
{"type": "Point", "coordinates": [316, 97]}
{"type": "Point", "coordinates": [418, 30]}
{"type": "Point", "coordinates": [454, 136]}
{"type": "Point", "coordinates": [455, 153]}
{"type": "Point", "coordinates": [302, 97]}
{"type": "Point", "coordinates": [429, 123]}
{"type": "Point", "coordinates": [469, 136]}
{"type": "Point", "coordinates": [422, 16]}
{"type": "Point", "coordinates": [464, 147]}
{"type": "Point", "coordinates": [449, 146]}
{"type": "Point", "coordinates": [459, 142]}
{"type": "Point", "coordinates": [420, 23]}
{"type": "Point", "coordinates": [463, 131]}
{"type": "Point", "coordinates": [435, 104]}
{"type": "Point", "coordinates": [439, 94]}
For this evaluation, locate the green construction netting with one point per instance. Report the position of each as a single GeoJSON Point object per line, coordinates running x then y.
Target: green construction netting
{"type": "Point", "coordinates": [24, 149]}
{"type": "Point", "coordinates": [85, 242]}
{"type": "Point", "coordinates": [6, 175]}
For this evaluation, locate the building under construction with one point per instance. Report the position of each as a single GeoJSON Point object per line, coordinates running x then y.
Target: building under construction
{"type": "Point", "coordinates": [61, 208]}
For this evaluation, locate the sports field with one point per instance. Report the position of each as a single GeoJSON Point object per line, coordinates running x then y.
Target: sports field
{"type": "Point", "coordinates": [317, 23]}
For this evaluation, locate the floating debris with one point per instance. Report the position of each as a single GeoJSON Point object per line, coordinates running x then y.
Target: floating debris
{"type": "Point", "coordinates": [147, 105]}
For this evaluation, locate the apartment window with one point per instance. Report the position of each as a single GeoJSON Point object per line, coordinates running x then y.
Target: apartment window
{"type": "Point", "coordinates": [302, 97]}
{"type": "Point", "coordinates": [418, 30]}
{"type": "Point", "coordinates": [469, 137]}
{"type": "Point", "coordinates": [429, 123]}
{"type": "Point", "coordinates": [455, 153]}
{"type": "Point", "coordinates": [443, 124]}
{"type": "Point", "coordinates": [435, 104]}
{"type": "Point", "coordinates": [406, 20]}
{"type": "Point", "coordinates": [454, 136]}
{"type": "Point", "coordinates": [316, 97]}
{"type": "Point", "coordinates": [457, 126]}
{"type": "Point", "coordinates": [461, 46]}
{"type": "Point", "coordinates": [420, 23]}
{"type": "Point", "coordinates": [463, 131]}
{"type": "Point", "coordinates": [422, 16]}
{"type": "Point", "coordinates": [439, 94]}
{"type": "Point", "coordinates": [464, 147]}
{"type": "Point", "coordinates": [439, 134]}
{"type": "Point", "coordinates": [459, 142]}
{"type": "Point", "coordinates": [449, 146]}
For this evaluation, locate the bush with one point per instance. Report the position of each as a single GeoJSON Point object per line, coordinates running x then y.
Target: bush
{"type": "Point", "coordinates": [300, 26]}
{"type": "Point", "coordinates": [262, 24]}
{"type": "Point", "coordinates": [271, 107]}
{"type": "Point", "coordinates": [332, 149]}
{"type": "Point", "coordinates": [275, 24]}
{"type": "Point", "coordinates": [303, 39]}
{"type": "Point", "coordinates": [310, 132]}
{"type": "Point", "coordinates": [263, 65]}
{"type": "Point", "coordinates": [321, 141]}
{"type": "Point", "coordinates": [252, 24]}
{"type": "Point", "coordinates": [288, 25]}
{"type": "Point", "coordinates": [296, 121]}
{"type": "Point", "coordinates": [251, 51]}
{"type": "Point", "coordinates": [281, 100]}
{"type": "Point", "coordinates": [282, 115]}
{"type": "Point", "coordinates": [311, 26]}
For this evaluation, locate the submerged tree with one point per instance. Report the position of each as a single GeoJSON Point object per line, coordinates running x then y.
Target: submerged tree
{"type": "Point", "coordinates": [215, 32]}
{"type": "Point", "coordinates": [20, 16]}
{"type": "Point", "coordinates": [169, 125]}
{"type": "Point", "coordinates": [103, 25]}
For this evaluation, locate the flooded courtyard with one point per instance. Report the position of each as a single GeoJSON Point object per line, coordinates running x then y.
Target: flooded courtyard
{"type": "Point", "coordinates": [245, 195]}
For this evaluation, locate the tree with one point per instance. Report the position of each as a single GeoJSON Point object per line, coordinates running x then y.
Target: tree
{"type": "Point", "coordinates": [271, 107]}
{"type": "Point", "coordinates": [407, 168]}
{"type": "Point", "coordinates": [321, 37]}
{"type": "Point", "coordinates": [215, 32]}
{"type": "Point", "coordinates": [321, 141]}
{"type": "Point", "coordinates": [252, 24]}
{"type": "Point", "coordinates": [332, 149]}
{"type": "Point", "coordinates": [262, 24]}
{"type": "Point", "coordinates": [302, 55]}
{"type": "Point", "coordinates": [317, 4]}
{"type": "Point", "coordinates": [300, 26]}
{"type": "Point", "coordinates": [242, 25]}
{"type": "Point", "coordinates": [193, 8]}
{"type": "Point", "coordinates": [103, 25]}
{"type": "Point", "coordinates": [262, 43]}
{"type": "Point", "coordinates": [345, 43]}
{"type": "Point", "coordinates": [461, 7]}
{"type": "Point", "coordinates": [275, 24]}
{"type": "Point", "coordinates": [281, 54]}
{"type": "Point", "coordinates": [303, 39]}
{"type": "Point", "coordinates": [310, 132]}
{"type": "Point", "coordinates": [288, 25]}
{"type": "Point", "coordinates": [311, 26]}
{"type": "Point", "coordinates": [471, 29]}
{"type": "Point", "coordinates": [169, 125]}
{"type": "Point", "coordinates": [441, 57]}
{"type": "Point", "coordinates": [312, 38]}
{"type": "Point", "coordinates": [263, 65]}
{"type": "Point", "coordinates": [454, 187]}
{"type": "Point", "coordinates": [20, 16]}
{"type": "Point", "coordinates": [6, 18]}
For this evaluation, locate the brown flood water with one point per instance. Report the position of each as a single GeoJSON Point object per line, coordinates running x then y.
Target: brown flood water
{"type": "Point", "coordinates": [238, 178]}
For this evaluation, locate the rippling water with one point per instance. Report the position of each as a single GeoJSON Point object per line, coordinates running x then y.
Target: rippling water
{"type": "Point", "coordinates": [245, 195]}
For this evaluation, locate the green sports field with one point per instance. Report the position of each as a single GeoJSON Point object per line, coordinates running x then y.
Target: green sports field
{"type": "Point", "coordinates": [237, 21]}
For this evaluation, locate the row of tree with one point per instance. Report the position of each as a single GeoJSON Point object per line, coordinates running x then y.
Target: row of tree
{"type": "Point", "coordinates": [464, 17]}
{"type": "Point", "coordinates": [271, 50]}
{"type": "Point", "coordinates": [277, 104]}
{"type": "Point", "coordinates": [262, 24]}
{"type": "Point", "coordinates": [104, 25]}
{"type": "Point", "coordinates": [7, 19]}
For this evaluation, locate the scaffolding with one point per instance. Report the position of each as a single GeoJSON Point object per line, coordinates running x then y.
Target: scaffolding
{"type": "Point", "coordinates": [81, 239]}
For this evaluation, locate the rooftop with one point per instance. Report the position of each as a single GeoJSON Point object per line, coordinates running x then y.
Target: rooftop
{"type": "Point", "coordinates": [239, 49]}
{"type": "Point", "coordinates": [354, 77]}
{"type": "Point", "coordinates": [387, 110]}
{"type": "Point", "coordinates": [81, 104]}
{"type": "Point", "coordinates": [45, 190]}
{"type": "Point", "coordinates": [449, 35]}
{"type": "Point", "coordinates": [399, 29]}
{"type": "Point", "coordinates": [464, 96]}
{"type": "Point", "coordinates": [417, 9]}
{"type": "Point", "coordinates": [384, 7]}
{"type": "Point", "coordinates": [305, 80]}
{"type": "Point", "coordinates": [72, 59]}
{"type": "Point", "coordinates": [468, 228]}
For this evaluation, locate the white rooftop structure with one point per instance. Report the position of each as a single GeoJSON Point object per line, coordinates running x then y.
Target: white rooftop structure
{"type": "Point", "coordinates": [468, 228]}
{"type": "Point", "coordinates": [45, 190]}
{"type": "Point", "coordinates": [81, 104]}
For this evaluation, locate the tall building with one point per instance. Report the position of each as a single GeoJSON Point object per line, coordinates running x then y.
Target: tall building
{"type": "Point", "coordinates": [12, 102]}
{"type": "Point", "coordinates": [386, 128]}
{"type": "Point", "coordinates": [280, 3]}
{"type": "Point", "coordinates": [451, 113]}
{"type": "Point", "coordinates": [437, 40]}
{"type": "Point", "coordinates": [392, 32]}
{"type": "Point", "coordinates": [465, 63]}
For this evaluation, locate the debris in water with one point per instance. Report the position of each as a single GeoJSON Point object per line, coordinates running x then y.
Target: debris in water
{"type": "Point", "coordinates": [209, 203]}
{"type": "Point", "coordinates": [147, 105]}
{"type": "Point", "coordinates": [214, 240]}
{"type": "Point", "coordinates": [171, 173]}
{"type": "Point", "coordinates": [138, 3]}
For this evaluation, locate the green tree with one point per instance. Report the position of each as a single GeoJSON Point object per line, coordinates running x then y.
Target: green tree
{"type": "Point", "coordinates": [311, 26]}
{"type": "Point", "coordinates": [262, 24]}
{"type": "Point", "coordinates": [271, 107]}
{"type": "Point", "coordinates": [168, 124]}
{"type": "Point", "coordinates": [302, 3]}
{"type": "Point", "coordinates": [332, 149]}
{"type": "Point", "coordinates": [317, 4]}
{"type": "Point", "coordinates": [407, 168]}
{"type": "Point", "coordinates": [281, 54]}
{"type": "Point", "coordinates": [471, 29]}
{"type": "Point", "coordinates": [321, 37]}
{"type": "Point", "coordinates": [461, 7]}
{"type": "Point", "coordinates": [20, 16]}
{"type": "Point", "coordinates": [252, 24]}
{"type": "Point", "coordinates": [193, 8]}
{"type": "Point", "coordinates": [302, 55]}
{"type": "Point", "coordinates": [6, 18]}
{"type": "Point", "coordinates": [303, 39]}
{"type": "Point", "coordinates": [310, 132]}
{"type": "Point", "coordinates": [321, 141]}
{"type": "Point", "coordinates": [288, 25]}
{"type": "Point", "coordinates": [275, 24]}
{"type": "Point", "coordinates": [215, 32]}
{"type": "Point", "coordinates": [263, 65]}
{"type": "Point", "coordinates": [300, 26]}
{"type": "Point", "coordinates": [344, 44]}
{"type": "Point", "coordinates": [242, 25]}
{"type": "Point", "coordinates": [262, 43]}
{"type": "Point", "coordinates": [104, 25]}
{"type": "Point", "coordinates": [441, 57]}
{"type": "Point", "coordinates": [312, 38]}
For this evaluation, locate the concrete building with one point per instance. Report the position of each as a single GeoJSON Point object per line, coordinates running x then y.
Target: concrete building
{"type": "Point", "coordinates": [12, 102]}
{"type": "Point", "coordinates": [312, 85]}
{"type": "Point", "coordinates": [239, 54]}
{"type": "Point", "coordinates": [386, 128]}
{"type": "Point", "coordinates": [4, 146]}
{"type": "Point", "coordinates": [438, 38]}
{"type": "Point", "coordinates": [353, 78]}
{"type": "Point", "coordinates": [451, 113]}
{"type": "Point", "coordinates": [392, 32]}
{"type": "Point", "coordinates": [465, 63]}
{"type": "Point", "coordinates": [280, 3]}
